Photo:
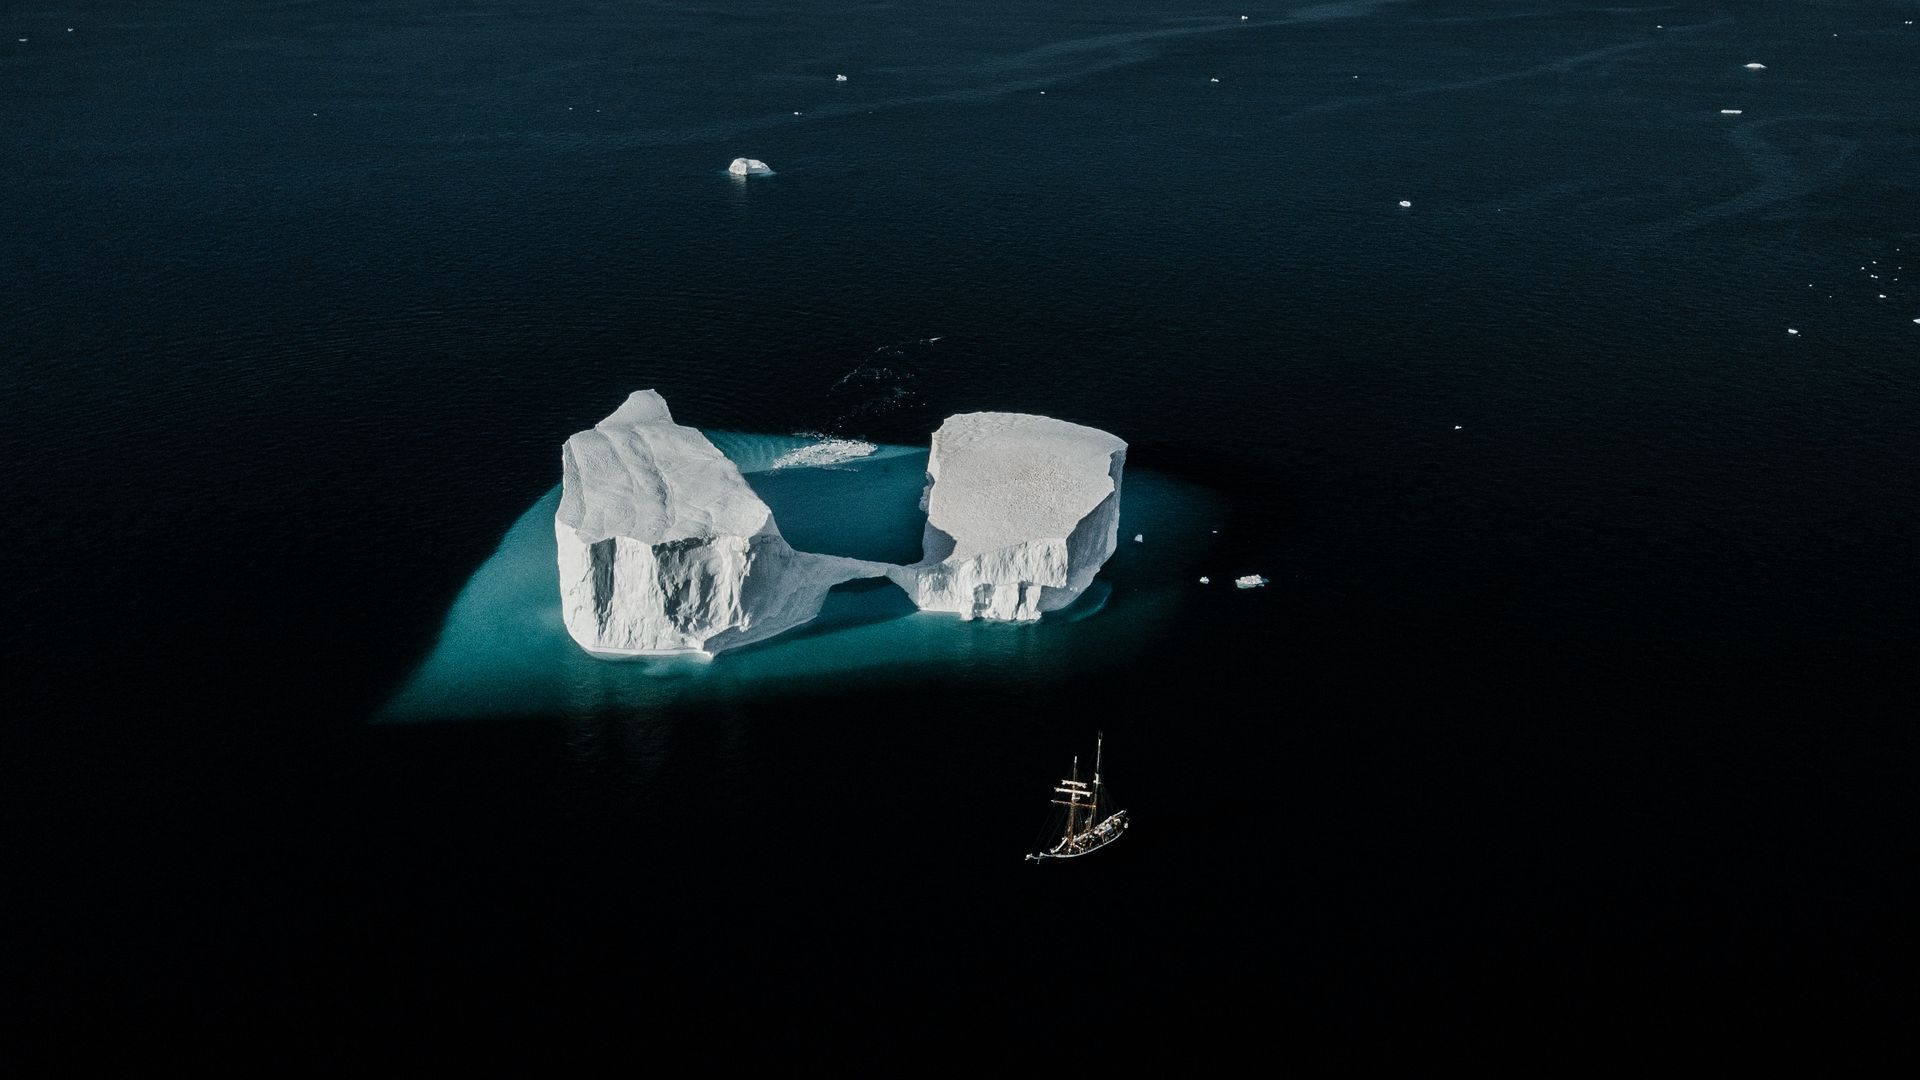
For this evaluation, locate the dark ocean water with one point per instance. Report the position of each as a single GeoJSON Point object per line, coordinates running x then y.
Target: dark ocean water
{"type": "Point", "coordinates": [1577, 703]}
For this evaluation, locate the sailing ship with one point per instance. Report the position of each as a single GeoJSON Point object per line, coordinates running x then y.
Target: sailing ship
{"type": "Point", "coordinates": [1091, 823]}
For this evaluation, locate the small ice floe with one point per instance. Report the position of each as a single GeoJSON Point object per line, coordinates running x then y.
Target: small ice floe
{"type": "Point", "coordinates": [828, 452]}
{"type": "Point", "coordinates": [746, 166]}
{"type": "Point", "coordinates": [1456, 427]}
{"type": "Point", "coordinates": [1729, 112]}
{"type": "Point", "coordinates": [1213, 80]}
{"type": "Point", "coordinates": [1792, 331]}
{"type": "Point", "coordinates": [839, 78]}
{"type": "Point", "coordinates": [1405, 204]}
{"type": "Point", "coordinates": [1139, 538]}
{"type": "Point", "coordinates": [796, 112]}
{"type": "Point", "coordinates": [1756, 67]}
{"type": "Point", "coordinates": [1243, 18]}
{"type": "Point", "coordinates": [1204, 580]}
{"type": "Point", "coordinates": [1883, 296]}
{"type": "Point", "coordinates": [1251, 581]}
{"type": "Point", "coordinates": [1916, 322]}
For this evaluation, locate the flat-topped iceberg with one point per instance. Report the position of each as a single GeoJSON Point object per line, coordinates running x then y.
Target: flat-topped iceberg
{"type": "Point", "coordinates": [1022, 511]}
{"type": "Point", "coordinates": [746, 166]}
{"type": "Point", "coordinates": [663, 548]}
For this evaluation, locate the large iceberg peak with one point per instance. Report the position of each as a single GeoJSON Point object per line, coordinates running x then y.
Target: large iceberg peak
{"type": "Point", "coordinates": [639, 475]}
{"type": "Point", "coordinates": [663, 548]}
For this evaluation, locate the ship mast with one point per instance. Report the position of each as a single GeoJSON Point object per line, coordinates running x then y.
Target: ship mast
{"type": "Point", "coordinates": [1093, 811]}
{"type": "Point", "coordinates": [1074, 789]}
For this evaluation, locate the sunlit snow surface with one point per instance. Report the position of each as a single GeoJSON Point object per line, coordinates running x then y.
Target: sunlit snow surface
{"type": "Point", "coordinates": [503, 651]}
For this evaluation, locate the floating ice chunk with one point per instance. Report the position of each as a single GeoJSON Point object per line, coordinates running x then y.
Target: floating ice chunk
{"type": "Point", "coordinates": [1756, 67]}
{"type": "Point", "coordinates": [1022, 511]}
{"type": "Point", "coordinates": [746, 166]}
{"type": "Point", "coordinates": [1792, 331]}
{"type": "Point", "coordinates": [828, 451]}
{"type": "Point", "coordinates": [1213, 80]}
{"type": "Point", "coordinates": [1729, 112]}
{"type": "Point", "coordinates": [1456, 427]}
{"type": "Point", "coordinates": [1405, 205]}
{"type": "Point", "coordinates": [1251, 581]}
{"type": "Point", "coordinates": [839, 78]}
{"type": "Point", "coordinates": [1139, 538]}
{"type": "Point", "coordinates": [1204, 580]}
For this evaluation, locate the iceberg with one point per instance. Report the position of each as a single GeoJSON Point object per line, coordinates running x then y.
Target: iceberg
{"type": "Point", "coordinates": [663, 547]}
{"type": "Point", "coordinates": [1251, 581]}
{"type": "Point", "coordinates": [746, 166]}
{"type": "Point", "coordinates": [1022, 511]}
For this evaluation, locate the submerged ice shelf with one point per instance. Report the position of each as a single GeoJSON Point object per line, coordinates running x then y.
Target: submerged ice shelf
{"type": "Point", "coordinates": [503, 648]}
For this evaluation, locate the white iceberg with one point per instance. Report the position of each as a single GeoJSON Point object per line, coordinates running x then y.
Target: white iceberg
{"type": "Point", "coordinates": [746, 166]}
{"type": "Point", "coordinates": [1022, 511]}
{"type": "Point", "coordinates": [663, 548]}
{"type": "Point", "coordinates": [839, 78]}
{"type": "Point", "coordinates": [1756, 67]}
{"type": "Point", "coordinates": [1251, 581]}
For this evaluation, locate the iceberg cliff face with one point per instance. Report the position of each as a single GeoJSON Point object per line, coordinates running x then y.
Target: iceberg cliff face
{"type": "Point", "coordinates": [1022, 511]}
{"type": "Point", "coordinates": [663, 548]}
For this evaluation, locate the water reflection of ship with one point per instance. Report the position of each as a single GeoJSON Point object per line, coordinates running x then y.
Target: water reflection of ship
{"type": "Point", "coordinates": [1091, 819]}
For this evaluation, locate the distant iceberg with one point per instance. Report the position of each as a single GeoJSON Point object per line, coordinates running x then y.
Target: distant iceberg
{"type": "Point", "coordinates": [746, 166]}
{"type": "Point", "coordinates": [1251, 581]}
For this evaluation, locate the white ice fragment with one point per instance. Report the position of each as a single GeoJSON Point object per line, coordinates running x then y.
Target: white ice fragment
{"type": "Point", "coordinates": [1456, 427]}
{"type": "Point", "coordinates": [1139, 538]}
{"type": "Point", "coordinates": [1022, 511]}
{"type": "Point", "coordinates": [1756, 67]}
{"type": "Point", "coordinates": [1251, 581]}
{"type": "Point", "coordinates": [1405, 205]}
{"type": "Point", "coordinates": [1792, 331]}
{"type": "Point", "coordinates": [1729, 112]}
{"type": "Point", "coordinates": [1204, 580]}
{"type": "Point", "coordinates": [828, 451]}
{"type": "Point", "coordinates": [663, 548]}
{"type": "Point", "coordinates": [839, 78]}
{"type": "Point", "coordinates": [1213, 80]}
{"type": "Point", "coordinates": [746, 166]}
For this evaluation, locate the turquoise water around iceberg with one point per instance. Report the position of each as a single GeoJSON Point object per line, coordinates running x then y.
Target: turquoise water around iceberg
{"type": "Point", "coordinates": [503, 650]}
